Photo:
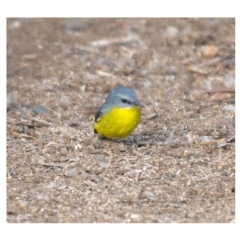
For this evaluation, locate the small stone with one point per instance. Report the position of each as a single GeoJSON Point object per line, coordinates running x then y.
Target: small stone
{"type": "Point", "coordinates": [10, 101]}
{"type": "Point", "coordinates": [229, 107]}
{"type": "Point", "coordinates": [15, 25]}
{"type": "Point", "coordinates": [172, 32]}
{"type": "Point", "coordinates": [77, 24]}
{"type": "Point", "coordinates": [210, 51]}
{"type": "Point", "coordinates": [71, 173]}
{"type": "Point", "coordinates": [40, 110]}
{"type": "Point", "coordinates": [23, 204]}
{"type": "Point", "coordinates": [206, 138]}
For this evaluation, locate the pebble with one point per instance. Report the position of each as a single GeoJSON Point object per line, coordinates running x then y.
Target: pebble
{"type": "Point", "coordinates": [229, 107]}
{"type": "Point", "coordinates": [40, 110]}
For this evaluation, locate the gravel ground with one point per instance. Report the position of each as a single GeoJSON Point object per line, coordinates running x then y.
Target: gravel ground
{"type": "Point", "coordinates": [177, 166]}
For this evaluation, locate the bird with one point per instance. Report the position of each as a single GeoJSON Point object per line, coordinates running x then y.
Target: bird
{"type": "Point", "coordinates": [119, 115]}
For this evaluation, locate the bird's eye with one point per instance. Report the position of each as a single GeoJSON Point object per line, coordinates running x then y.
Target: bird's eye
{"type": "Point", "coordinates": [126, 101]}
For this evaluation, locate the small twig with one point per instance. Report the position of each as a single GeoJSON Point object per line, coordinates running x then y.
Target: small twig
{"type": "Point", "coordinates": [231, 138]}
{"type": "Point", "coordinates": [41, 162]}
{"type": "Point", "coordinates": [34, 122]}
{"type": "Point", "coordinates": [22, 135]}
{"type": "Point", "coordinates": [211, 61]}
{"type": "Point", "coordinates": [220, 90]}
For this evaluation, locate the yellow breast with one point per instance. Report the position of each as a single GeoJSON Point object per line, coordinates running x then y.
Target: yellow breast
{"type": "Point", "coordinates": [118, 122]}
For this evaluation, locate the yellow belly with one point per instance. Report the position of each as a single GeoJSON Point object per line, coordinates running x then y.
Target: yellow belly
{"type": "Point", "coordinates": [118, 122]}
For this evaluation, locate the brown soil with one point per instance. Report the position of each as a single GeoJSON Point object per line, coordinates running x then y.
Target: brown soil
{"type": "Point", "coordinates": [177, 166]}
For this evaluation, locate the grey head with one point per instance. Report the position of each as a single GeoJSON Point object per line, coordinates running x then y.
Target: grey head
{"type": "Point", "coordinates": [122, 97]}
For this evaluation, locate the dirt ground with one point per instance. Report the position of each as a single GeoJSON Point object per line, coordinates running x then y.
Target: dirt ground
{"type": "Point", "coordinates": [177, 166]}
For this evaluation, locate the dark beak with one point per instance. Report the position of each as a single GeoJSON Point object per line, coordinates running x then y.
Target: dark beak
{"type": "Point", "coordinates": [139, 104]}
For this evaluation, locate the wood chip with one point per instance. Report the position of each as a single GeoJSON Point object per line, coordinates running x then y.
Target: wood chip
{"type": "Point", "coordinates": [195, 69]}
{"type": "Point", "coordinates": [210, 51]}
{"type": "Point", "coordinates": [149, 195]}
{"type": "Point", "coordinates": [32, 56]}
